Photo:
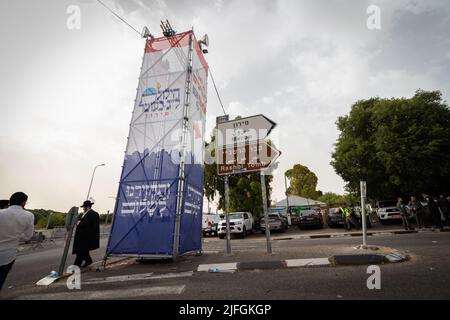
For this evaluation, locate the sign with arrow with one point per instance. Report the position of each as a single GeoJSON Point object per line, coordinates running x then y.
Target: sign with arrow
{"type": "Point", "coordinates": [246, 158]}
{"type": "Point", "coordinates": [244, 130]}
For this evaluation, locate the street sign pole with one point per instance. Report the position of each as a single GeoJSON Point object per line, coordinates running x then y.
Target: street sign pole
{"type": "Point", "coordinates": [71, 220]}
{"type": "Point", "coordinates": [363, 211]}
{"type": "Point", "coordinates": [266, 214]}
{"type": "Point", "coordinates": [227, 214]}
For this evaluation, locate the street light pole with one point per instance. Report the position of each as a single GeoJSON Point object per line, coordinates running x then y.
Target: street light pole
{"type": "Point", "coordinates": [92, 179]}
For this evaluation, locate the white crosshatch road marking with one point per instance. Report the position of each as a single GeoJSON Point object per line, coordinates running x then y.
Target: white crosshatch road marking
{"type": "Point", "coordinates": [109, 294]}
{"type": "Point", "coordinates": [142, 276]}
{"type": "Point", "coordinates": [295, 263]}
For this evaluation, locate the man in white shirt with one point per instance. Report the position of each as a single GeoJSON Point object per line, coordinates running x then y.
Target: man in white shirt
{"type": "Point", "coordinates": [16, 224]}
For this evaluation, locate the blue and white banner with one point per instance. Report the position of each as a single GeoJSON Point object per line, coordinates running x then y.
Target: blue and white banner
{"type": "Point", "coordinates": [144, 217]}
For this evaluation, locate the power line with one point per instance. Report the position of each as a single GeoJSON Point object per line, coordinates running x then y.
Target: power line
{"type": "Point", "coordinates": [123, 20]}
{"type": "Point", "coordinates": [217, 91]}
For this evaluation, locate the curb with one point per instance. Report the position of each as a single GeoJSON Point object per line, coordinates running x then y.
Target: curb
{"type": "Point", "coordinates": [358, 234]}
{"type": "Point", "coordinates": [333, 261]}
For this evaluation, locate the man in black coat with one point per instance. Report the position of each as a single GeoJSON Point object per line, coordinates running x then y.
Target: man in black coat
{"type": "Point", "coordinates": [444, 205]}
{"type": "Point", "coordinates": [87, 235]}
{"type": "Point", "coordinates": [434, 210]}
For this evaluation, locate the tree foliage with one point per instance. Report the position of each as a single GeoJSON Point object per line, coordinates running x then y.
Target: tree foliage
{"type": "Point", "coordinates": [41, 217]}
{"type": "Point", "coordinates": [303, 182]}
{"type": "Point", "coordinates": [399, 146]}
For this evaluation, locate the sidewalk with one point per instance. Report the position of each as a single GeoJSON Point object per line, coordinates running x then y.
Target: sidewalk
{"type": "Point", "coordinates": [192, 262]}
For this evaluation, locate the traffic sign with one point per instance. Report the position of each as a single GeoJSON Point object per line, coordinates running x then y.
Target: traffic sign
{"type": "Point", "coordinates": [246, 158]}
{"type": "Point", "coordinates": [222, 119]}
{"type": "Point", "coordinates": [244, 130]}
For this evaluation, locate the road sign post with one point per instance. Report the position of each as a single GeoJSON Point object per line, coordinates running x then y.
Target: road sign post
{"type": "Point", "coordinates": [71, 220]}
{"type": "Point", "coordinates": [363, 211]}
{"type": "Point", "coordinates": [266, 214]}
{"type": "Point", "coordinates": [227, 214]}
{"type": "Point", "coordinates": [241, 148]}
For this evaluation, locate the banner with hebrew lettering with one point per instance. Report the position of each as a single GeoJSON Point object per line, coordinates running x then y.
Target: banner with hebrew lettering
{"type": "Point", "coordinates": [191, 218]}
{"type": "Point", "coordinates": [146, 204]}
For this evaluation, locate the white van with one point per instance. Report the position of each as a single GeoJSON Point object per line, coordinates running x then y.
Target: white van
{"type": "Point", "coordinates": [210, 223]}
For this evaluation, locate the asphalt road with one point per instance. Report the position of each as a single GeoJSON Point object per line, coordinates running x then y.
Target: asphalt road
{"type": "Point", "coordinates": [33, 265]}
{"type": "Point", "coordinates": [425, 276]}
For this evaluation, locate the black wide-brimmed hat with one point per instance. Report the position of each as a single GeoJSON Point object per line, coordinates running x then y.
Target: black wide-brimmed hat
{"type": "Point", "coordinates": [87, 203]}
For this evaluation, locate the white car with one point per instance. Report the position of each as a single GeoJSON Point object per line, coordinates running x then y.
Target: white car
{"type": "Point", "coordinates": [387, 211]}
{"type": "Point", "coordinates": [276, 223]}
{"type": "Point", "coordinates": [240, 223]}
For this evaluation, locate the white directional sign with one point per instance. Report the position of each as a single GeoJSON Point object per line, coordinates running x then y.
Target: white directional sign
{"type": "Point", "coordinates": [244, 130]}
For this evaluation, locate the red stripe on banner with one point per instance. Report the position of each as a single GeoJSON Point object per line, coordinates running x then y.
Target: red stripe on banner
{"type": "Point", "coordinates": [200, 55]}
{"type": "Point", "coordinates": [158, 44]}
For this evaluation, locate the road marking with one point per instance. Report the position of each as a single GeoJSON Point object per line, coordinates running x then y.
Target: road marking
{"type": "Point", "coordinates": [108, 294]}
{"type": "Point", "coordinates": [220, 266]}
{"type": "Point", "coordinates": [143, 276]}
{"type": "Point", "coordinates": [127, 277]}
{"type": "Point", "coordinates": [210, 251]}
{"type": "Point", "coordinates": [295, 263]}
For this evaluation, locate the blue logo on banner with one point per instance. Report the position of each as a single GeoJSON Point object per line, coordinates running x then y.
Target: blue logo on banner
{"type": "Point", "coordinates": [156, 100]}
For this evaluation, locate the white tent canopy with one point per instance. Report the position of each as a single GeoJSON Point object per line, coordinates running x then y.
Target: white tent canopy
{"type": "Point", "coordinates": [299, 201]}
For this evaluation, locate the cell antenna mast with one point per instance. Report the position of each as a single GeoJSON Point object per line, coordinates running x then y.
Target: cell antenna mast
{"type": "Point", "coordinates": [167, 29]}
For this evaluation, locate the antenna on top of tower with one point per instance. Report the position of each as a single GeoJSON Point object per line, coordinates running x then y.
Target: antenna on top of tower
{"type": "Point", "coordinates": [167, 29]}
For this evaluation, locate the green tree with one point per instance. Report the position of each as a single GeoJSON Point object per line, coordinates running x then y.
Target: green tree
{"type": "Point", "coordinates": [333, 199]}
{"type": "Point", "coordinates": [399, 146]}
{"type": "Point", "coordinates": [41, 217]}
{"type": "Point", "coordinates": [303, 182]}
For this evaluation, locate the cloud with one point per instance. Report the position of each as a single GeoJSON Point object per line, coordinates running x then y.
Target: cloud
{"type": "Point", "coordinates": [302, 63]}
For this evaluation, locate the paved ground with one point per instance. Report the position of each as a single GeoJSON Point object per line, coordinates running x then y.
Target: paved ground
{"type": "Point", "coordinates": [33, 263]}
{"type": "Point", "coordinates": [425, 276]}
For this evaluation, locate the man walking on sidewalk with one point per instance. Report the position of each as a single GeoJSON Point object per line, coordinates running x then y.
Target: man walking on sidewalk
{"type": "Point", "coordinates": [16, 224]}
{"type": "Point", "coordinates": [87, 235]}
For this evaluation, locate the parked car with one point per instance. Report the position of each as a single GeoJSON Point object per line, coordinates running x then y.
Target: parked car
{"type": "Point", "coordinates": [387, 211]}
{"type": "Point", "coordinates": [210, 224]}
{"type": "Point", "coordinates": [241, 223]}
{"type": "Point", "coordinates": [276, 223]}
{"type": "Point", "coordinates": [335, 218]}
{"type": "Point", "coordinates": [310, 218]}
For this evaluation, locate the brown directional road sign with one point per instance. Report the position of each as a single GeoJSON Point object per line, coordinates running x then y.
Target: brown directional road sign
{"type": "Point", "coordinates": [250, 157]}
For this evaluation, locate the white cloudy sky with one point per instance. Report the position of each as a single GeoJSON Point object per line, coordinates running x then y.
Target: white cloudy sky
{"type": "Point", "coordinates": [67, 95]}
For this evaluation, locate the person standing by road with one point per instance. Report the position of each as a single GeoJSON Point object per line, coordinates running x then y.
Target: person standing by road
{"type": "Point", "coordinates": [87, 235]}
{"type": "Point", "coordinates": [417, 210]}
{"type": "Point", "coordinates": [345, 214]}
{"type": "Point", "coordinates": [401, 207]}
{"type": "Point", "coordinates": [16, 224]}
{"type": "Point", "coordinates": [351, 219]}
{"type": "Point", "coordinates": [434, 211]}
{"type": "Point", "coordinates": [444, 205]}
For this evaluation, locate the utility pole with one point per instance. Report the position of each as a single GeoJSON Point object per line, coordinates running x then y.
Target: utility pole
{"type": "Point", "coordinates": [266, 214]}
{"type": "Point", "coordinates": [363, 211]}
